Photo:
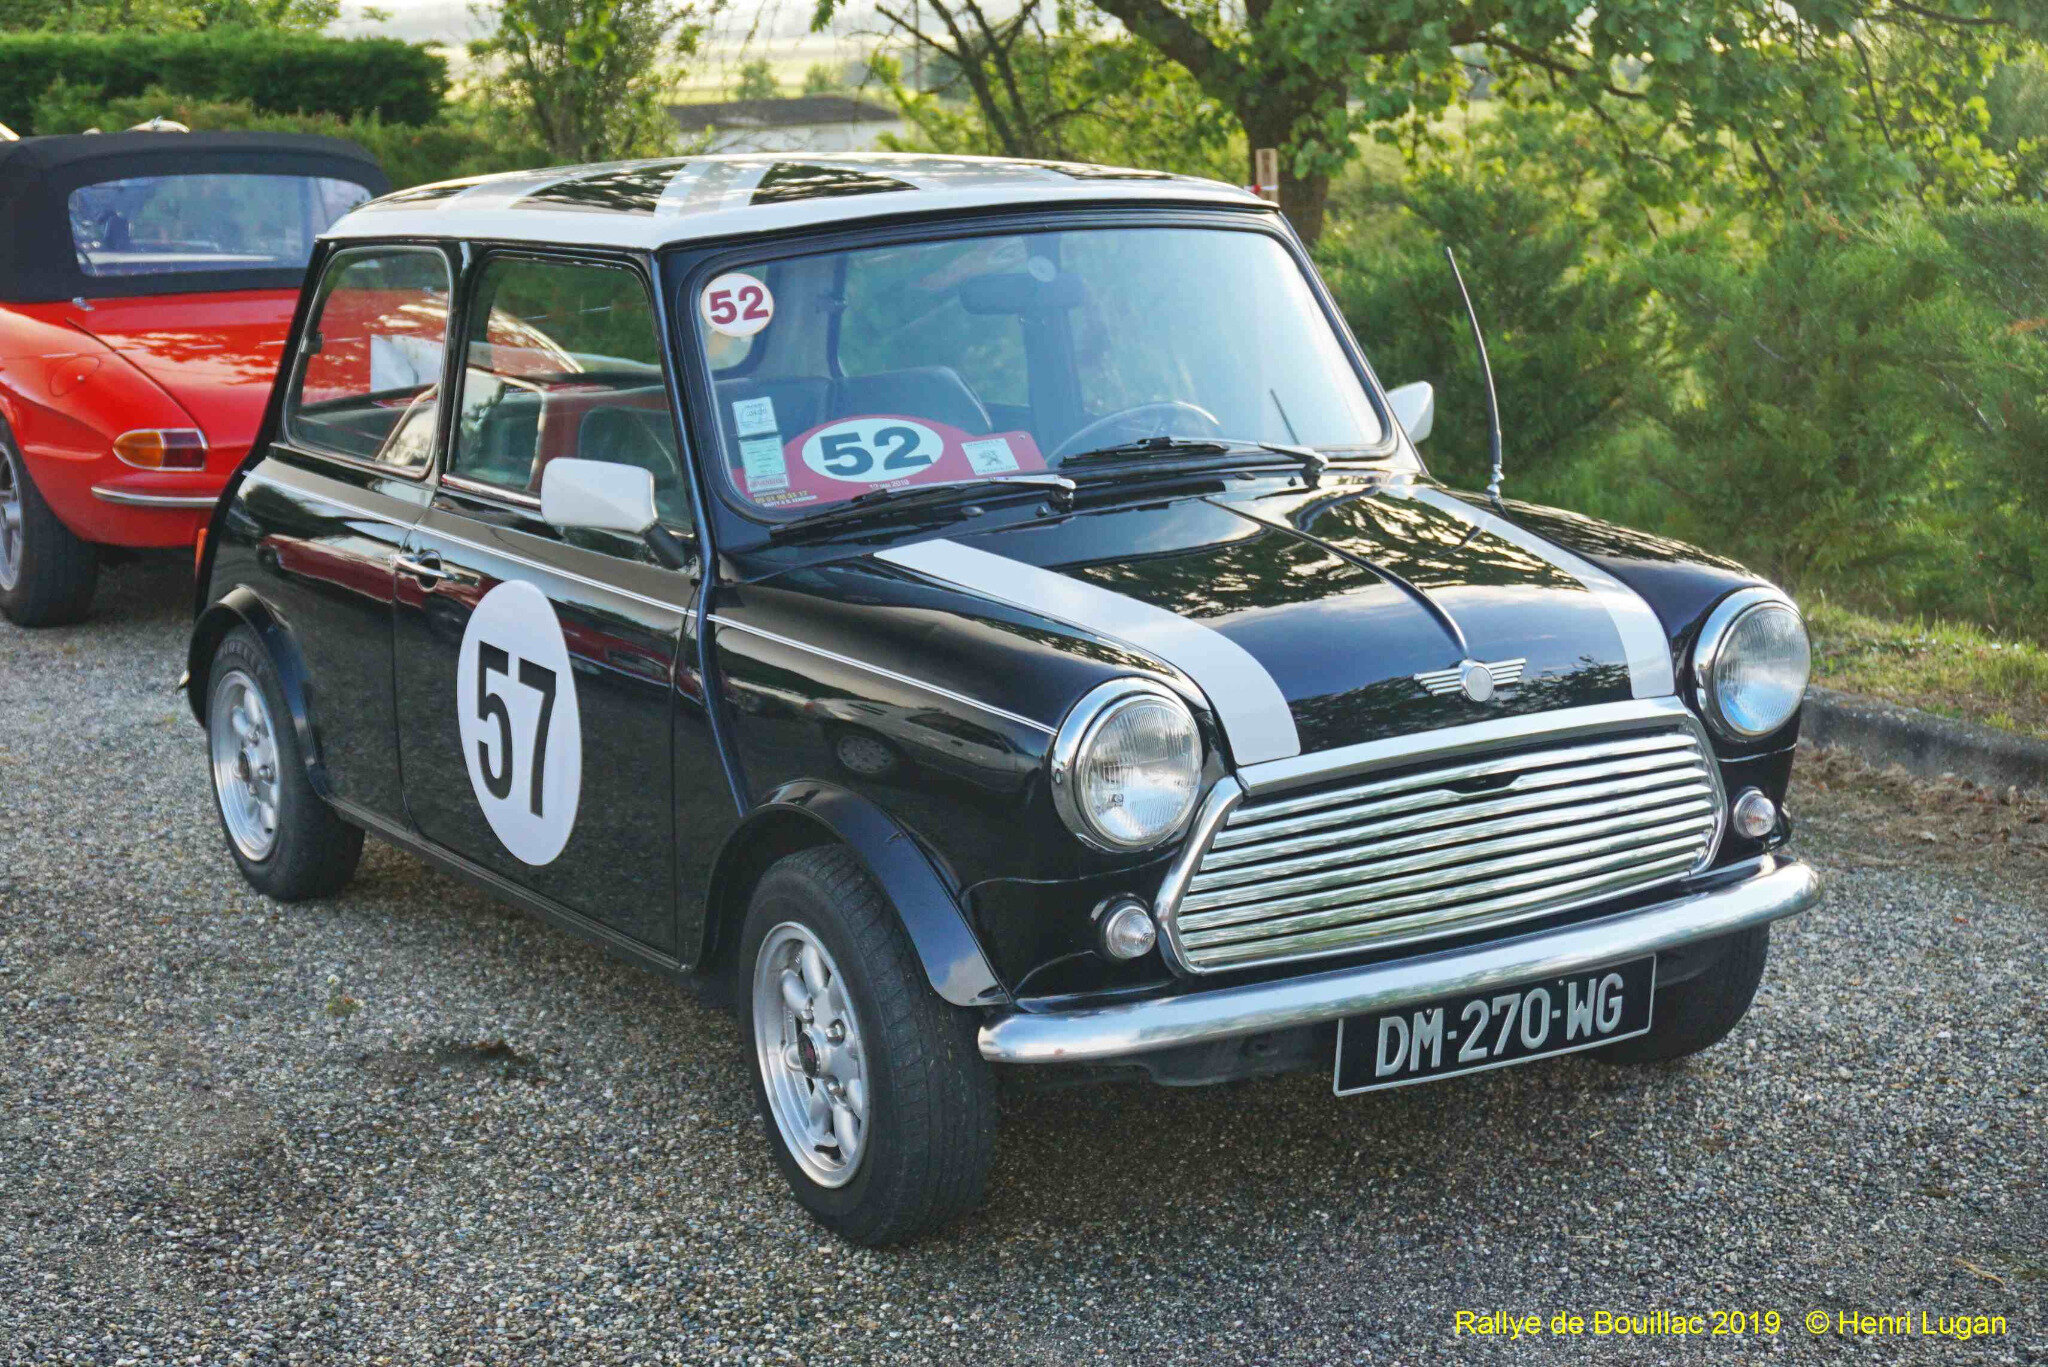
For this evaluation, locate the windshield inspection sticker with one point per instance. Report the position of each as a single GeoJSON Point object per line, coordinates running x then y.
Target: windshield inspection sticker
{"type": "Point", "coordinates": [761, 460]}
{"type": "Point", "coordinates": [522, 735]}
{"type": "Point", "coordinates": [990, 457]}
{"type": "Point", "coordinates": [737, 304]}
{"type": "Point", "coordinates": [754, 417]}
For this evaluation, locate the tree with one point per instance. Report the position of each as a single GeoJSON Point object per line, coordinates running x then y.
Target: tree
{"type": "Point", "coordinates": [820, 79]}
{"type": "Point", "coordinates": [1048, 82]}
{"type": "Point", "coordinates": [756, 82]}
{"type": "Point", "coordinates": [593, 77]}
{"type": "Point", "coordinates": [95, 16]}
{"type": "Point", "coordinates": [1766, 81]}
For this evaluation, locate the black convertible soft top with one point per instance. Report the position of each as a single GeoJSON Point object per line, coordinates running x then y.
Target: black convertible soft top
{"type": "Point", "coordinates": [38, 262]}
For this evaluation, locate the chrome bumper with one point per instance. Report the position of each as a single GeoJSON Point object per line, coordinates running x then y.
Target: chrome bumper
{"type": "Point", "coordinates": [1780, 888]}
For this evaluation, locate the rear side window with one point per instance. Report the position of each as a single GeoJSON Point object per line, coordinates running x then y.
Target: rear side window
{"type": "Point", "coordinates": [160, 225]}
{"type": "Point", "coordinates": [564, 359]}
{"type": "Point", "coordinates": [368, 380]}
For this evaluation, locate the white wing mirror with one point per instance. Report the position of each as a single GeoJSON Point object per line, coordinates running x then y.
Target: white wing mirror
{"type": "Point", "coordinates": [1415, 406]}
{"type": "Point", "coordinates": [598, 495]}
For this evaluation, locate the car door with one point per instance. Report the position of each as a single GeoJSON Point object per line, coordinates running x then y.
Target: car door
{"type": "Point", "coordinates": [320, 518]}
{"type": "Point", "coordinates": [536, 668]}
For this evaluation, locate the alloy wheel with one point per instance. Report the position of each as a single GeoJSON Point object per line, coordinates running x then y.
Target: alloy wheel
{"type": "Point", "coordinates": [244, 747]}
{"type": "Point", "coordinates": [809, 1047]}
{"type": "Point", "coordinates": [12, 477]}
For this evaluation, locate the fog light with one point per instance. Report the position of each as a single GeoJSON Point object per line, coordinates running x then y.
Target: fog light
{"type": "Point", "coordinates": [1755, 815]}
{"type": "Point", "coordinates": [1124, 929]}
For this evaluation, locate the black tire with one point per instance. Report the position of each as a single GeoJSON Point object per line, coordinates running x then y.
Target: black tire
{"type": "Point", "coordinates": [55, 573]}
{"type": "Point", "coordinates": [1689, 1016]}
{"type": "Point", "coordinates": [313, 852]}
{"type": "Point", "coordinates": [930, 1126]}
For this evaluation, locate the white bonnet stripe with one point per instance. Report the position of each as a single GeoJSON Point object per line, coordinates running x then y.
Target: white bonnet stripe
{"type": "Point", "coordinates": [1254, 713]}
{"type": "Point", "coordinates": [1643, 641]}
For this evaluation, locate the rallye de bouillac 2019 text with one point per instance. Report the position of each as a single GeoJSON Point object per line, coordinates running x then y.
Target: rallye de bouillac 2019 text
{"type": "Point", "coordinates": [990, 615]}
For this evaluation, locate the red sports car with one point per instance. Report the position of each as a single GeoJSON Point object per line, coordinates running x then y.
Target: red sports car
{"type": "Point", "coordinates": [147, 282]}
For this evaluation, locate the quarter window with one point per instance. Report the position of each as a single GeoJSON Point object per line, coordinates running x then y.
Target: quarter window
{"type": "Point", "coordinates": [564, 359]}
{"type": "Point", "coordinates": [368, 381]}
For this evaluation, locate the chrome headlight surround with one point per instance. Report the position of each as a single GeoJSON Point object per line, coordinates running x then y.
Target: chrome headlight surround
{"type": "Point", "coordinates": [1714, 657]}
{"type": "Point", "coordinates": [1074, 745]}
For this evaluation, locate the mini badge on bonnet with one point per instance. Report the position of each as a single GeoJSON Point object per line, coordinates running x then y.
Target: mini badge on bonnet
{"type": "Point", "coordinates": [1477, 680]}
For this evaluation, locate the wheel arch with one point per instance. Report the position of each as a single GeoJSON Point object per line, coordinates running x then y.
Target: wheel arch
{"type": "Point", "coordinates": [241, 606]}
{"type": "Point", "coordinates": [799, 815]}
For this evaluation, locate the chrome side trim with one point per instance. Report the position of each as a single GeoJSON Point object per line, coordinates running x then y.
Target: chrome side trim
{"type": "Point", "coordinates": [339, 505]}
{"type": "Point", "coordinates": [852, 663]}
{"type": "Point", "coordinates": [1450, 742]}
{"type": "Point", "coordinates": [1255, 716]}
{"type": "Point", "coordinates": [556, 571]}
{"type": "Point", "coordinates": [131, 499]}
{"type": "Point", "coordinates": [1643, 641]}
{"type": "Point", "coordinates": [1094, 1034]}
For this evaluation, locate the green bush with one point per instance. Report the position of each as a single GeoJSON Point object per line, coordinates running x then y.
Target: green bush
{"type": "Point", "coordinates": [1867, 412]}
{"type": "Point", "coordinates": [1569, 328]}
{"type": "Point", "coordinates": [273, 72]}
{"type": "Point", "coordinates": [463, 141]}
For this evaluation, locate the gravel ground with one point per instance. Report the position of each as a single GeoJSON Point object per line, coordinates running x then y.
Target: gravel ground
{"type": "Point", "coordinates": [408, 1125]}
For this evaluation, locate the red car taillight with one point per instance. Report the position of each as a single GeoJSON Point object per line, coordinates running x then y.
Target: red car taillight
{"type": "Point", "coordinates": [163, 448]}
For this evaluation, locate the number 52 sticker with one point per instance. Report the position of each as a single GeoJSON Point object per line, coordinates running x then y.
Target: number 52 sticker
{"type": "Point", "coordinates": [737, 304]}
{"type": "Point", "coordinates": [522, 734]}
{"type": "Point", "coordinates": [872, 450]}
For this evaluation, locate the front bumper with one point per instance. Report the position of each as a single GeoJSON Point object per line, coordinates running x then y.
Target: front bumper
{"type": "Point", "coordinates": [1779, 888]}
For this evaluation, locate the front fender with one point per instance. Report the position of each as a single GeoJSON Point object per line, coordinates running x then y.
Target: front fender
{"type": "Point", "coordinates": [240, 606]}
{"type": "Point", "coordinates": [810, 811]}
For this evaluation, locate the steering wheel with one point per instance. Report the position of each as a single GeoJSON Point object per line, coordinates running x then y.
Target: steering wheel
{"type": "Point", "coordinates": [1144, 420]}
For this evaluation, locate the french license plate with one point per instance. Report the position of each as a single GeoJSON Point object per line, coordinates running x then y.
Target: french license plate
{"type": "Point", "coordinates": [1471, 1033]}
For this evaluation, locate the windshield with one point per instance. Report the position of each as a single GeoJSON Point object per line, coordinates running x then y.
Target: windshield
{"type": "Point", "coordinates": [969, 358]}
{"type": "Point", "coordinates": [155, 225]}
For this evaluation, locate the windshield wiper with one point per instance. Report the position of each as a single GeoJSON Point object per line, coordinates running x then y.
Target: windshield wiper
{"type": "Point", "coordinates": [1145, 453]}
{"type": "Point", "coordinates": [904, 498]}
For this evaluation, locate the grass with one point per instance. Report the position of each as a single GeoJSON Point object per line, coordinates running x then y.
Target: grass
{"type": "Point", "coordinates": [1941, 667]}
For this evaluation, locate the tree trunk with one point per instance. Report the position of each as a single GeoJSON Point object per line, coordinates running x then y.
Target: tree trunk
{"type": "Point", "coordinates": [1301, 197]}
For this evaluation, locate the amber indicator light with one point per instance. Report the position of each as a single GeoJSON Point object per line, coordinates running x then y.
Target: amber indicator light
{"type": "Point", "coordinates": [163, 448]}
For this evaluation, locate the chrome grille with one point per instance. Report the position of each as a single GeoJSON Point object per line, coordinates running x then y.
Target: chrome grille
{"type": "Point", "coordinates": [1447, 848]}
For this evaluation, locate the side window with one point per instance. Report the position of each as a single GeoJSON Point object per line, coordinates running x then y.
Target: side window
{"type": "Point", "coordinates": [368, 381]}
{"type": "Point", "coordinates": [564, 359]}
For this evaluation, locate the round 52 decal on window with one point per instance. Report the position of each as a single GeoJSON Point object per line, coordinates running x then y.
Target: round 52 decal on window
{"type": "Point", "coordinates": [737, 304]}
{"type": "Point", "coordinates": [872, 450]}
{"type": "Point", "coordinates": [522, 735]}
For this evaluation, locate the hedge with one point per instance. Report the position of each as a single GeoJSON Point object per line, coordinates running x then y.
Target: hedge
{"type": "Point", "coordinates": [274, 72]}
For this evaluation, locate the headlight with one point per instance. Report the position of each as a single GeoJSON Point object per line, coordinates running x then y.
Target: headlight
{"type": "Point", "coordinates": [1126, 766]}
{"type": "Point", "coordinates": [1751, 664]}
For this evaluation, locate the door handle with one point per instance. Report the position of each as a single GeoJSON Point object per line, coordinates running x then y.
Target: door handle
{"type": "Point", "coordinates": [426, 568]}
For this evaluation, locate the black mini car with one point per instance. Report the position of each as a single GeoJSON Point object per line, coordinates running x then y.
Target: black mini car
{"type": "Point", "coordinates": [990, 614]}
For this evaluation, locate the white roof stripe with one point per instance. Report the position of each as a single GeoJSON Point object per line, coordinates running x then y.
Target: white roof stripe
{"type": "Point", "coordinates": [712, 197]}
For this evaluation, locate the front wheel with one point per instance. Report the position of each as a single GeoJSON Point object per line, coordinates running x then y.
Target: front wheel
{"type": "Point", "coordinates": [880, 1111]}
{"type": "Point", "coordinates": [288, 843]}
{"type": "Point", "coordinates": [1689, 1016]}
{"type": "Point", "coordinates": [47, 575]}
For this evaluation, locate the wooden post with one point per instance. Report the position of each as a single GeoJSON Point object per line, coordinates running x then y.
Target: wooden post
{"type": "Point", "coordinates": [1266, 171]}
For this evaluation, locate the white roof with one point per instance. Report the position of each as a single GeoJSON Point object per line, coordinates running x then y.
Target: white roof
{"type": "Point", "coordinates": [649, 204]}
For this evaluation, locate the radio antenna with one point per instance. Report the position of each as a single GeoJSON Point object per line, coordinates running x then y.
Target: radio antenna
{"type": "Point", "coordinates": [1485, 373]}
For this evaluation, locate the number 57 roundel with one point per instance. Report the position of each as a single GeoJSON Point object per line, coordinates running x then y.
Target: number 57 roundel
{"type": "Point", "coordinates": [522, 736]}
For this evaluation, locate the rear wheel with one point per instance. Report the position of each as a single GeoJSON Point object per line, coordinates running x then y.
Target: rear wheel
{"type": "Point", "coordinates": [47, 575]}
{"type": "Point", "coordinates": [1689, 1016]}
{"type": "Point", "coordinates": [288, 843]}
{"type": "Point", "coordinates": [879, 1108]}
